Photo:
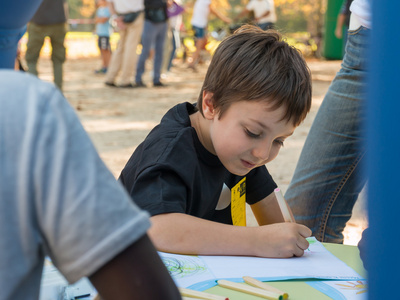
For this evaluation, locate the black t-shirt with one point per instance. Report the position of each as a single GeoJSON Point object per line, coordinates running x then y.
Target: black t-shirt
{"type": "Point", "coordinates": [156, 10]}
{"type": "Point", "coordinates": [50, 12]}
{"type": "Point", "coordinates": [171, 171]}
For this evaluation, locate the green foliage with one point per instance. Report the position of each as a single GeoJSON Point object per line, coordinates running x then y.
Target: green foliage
{"type": "Point", "coordinates": [304, 42]}
{"type": "Point", "coordinates": [291, 21]}
{"type": "Point", "coordinates": [83, 10]}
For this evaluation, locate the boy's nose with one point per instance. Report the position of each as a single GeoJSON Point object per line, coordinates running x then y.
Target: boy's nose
{"type": "Point", "coordinates": [262, 152]}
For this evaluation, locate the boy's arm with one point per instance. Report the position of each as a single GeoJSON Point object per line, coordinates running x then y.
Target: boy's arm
{"type": "Point", "coordinates": [185, 234]}
{"type": "Point", "coordinates": [119, 278]}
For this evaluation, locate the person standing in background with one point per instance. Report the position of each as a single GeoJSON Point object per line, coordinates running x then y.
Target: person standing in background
{"type": "Point", "coordinates": [49, 20]}
{"type": "Point", "coordinates": [154, 33]}
{"type": "Point", "coordinates": [173, 41]}
{"type": "Point", "coordinates": [329, 175]}
{"type": "Point", "coordinates": [342, 22]}
{"type": "Point", "coordinates": [263, 11]}
{"type": "Point", "coordinates": [103, 29]}
{"type": "Point", "coordinates": [201, 12]}
{"type": "Point", "coordinates": [128, 15]}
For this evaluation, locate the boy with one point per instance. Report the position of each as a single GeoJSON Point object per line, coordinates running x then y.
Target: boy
{"type": "Point", "coordinates": [103, 32]}
{"type": "Point", "coordinates": [257, 90]}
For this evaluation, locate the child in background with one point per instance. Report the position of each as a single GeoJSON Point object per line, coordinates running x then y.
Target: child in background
{"type": "Point", "coordinates": [263, 12]}
{"type": "Point", "coordinates": [257, 90]}
{"type": "Point", "coordinates": [103, 29]}
{"type": "Point", "coordinates": [199, 22]}
{"type": "Point", "coordinates": [175, 11]}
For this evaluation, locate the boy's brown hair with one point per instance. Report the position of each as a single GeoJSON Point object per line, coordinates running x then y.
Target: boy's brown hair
{"type": "Point", "coordinates": [257, 65]}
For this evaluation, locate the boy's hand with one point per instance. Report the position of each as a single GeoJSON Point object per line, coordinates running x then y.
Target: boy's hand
{"type": "Point", "coordinates": [184, 234]}
{"type": "Point", "coordinates": [281, 240]}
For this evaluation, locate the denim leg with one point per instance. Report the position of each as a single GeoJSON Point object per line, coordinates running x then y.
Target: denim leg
{"type": "Point", "coordinates": [329, 175]}
{"type": "Point", "coordinates": [159, 49]}
{"type": "Point", "coordinates": [265, 26]}
{"type": "Point", "coordinates": [174, 46]}
{"type": "Point", "coordinates": [148, 36]}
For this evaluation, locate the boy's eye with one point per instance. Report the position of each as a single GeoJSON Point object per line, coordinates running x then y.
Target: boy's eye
{"type": "Point", "coordinates": [279, 142]}
{"type": "Point", "coordinates": [252, 134]}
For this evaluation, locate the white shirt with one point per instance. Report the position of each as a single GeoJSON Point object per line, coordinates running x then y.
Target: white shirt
{"type": "Point", "coordinates": [260, 7]}
{"type": "Point", "coordinates": [201, 10]}
{"type": "Point", "coordinates": [360, 14]}
{"type": "Point", "coordinates": [127, 6]}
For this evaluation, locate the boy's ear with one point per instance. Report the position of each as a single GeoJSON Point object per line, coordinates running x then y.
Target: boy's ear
{"type": "Point", "coordinates": [208, 105]}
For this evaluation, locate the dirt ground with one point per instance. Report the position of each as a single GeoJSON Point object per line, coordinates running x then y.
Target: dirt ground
{"type": "Point", "coordinates": [117, 120]}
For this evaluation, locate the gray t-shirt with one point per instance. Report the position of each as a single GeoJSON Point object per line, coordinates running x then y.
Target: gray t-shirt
{"type": "Point", "coordinates": [50, 12]}
{"type": "Point", "coordinates": [57, 197]}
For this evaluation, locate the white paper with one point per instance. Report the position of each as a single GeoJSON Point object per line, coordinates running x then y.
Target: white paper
{"type": "Point", "coordinates": [187, 270]}
{"type": "Point", "coordinates": [317, 262]}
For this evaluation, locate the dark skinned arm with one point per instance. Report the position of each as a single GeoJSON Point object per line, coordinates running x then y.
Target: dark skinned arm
{"type": "Point", "coordinates": [136, 273]}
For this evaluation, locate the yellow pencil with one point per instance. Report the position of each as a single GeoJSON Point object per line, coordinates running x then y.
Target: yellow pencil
{"type": "Point", "coordinates": [200, 295]}
{"type": "Point", "coordinates": [249, 290]}
{"type": "Point", "coordinates": [262, 285]}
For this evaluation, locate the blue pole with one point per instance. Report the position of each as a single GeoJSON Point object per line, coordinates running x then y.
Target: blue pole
{"type": "Point", "coordinates": [383, 142]}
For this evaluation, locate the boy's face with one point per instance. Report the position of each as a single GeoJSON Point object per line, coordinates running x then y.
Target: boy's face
{"type": "Point", "coordinates": [247, 135]}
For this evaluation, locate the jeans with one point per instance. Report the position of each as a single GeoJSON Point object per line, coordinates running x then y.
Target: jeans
{"type": "Point", "coordinates": [175, 44]}
{"type": "Point", "coordinates": [329, 175]}
{"type": "Point", "coordinates": [153, 34]}
{"type": "Point", "coordinates": [265, 26]}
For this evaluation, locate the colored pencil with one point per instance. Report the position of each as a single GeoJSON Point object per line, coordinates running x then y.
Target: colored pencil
{"type": "Point", "coordinates": [288, 217]}
{"type": "Point", "coordinates": [200, 295]}
{"type": "Point", "coordinates": [262, 285]}
{"type": "Point", "coordinates": [240, 287]}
